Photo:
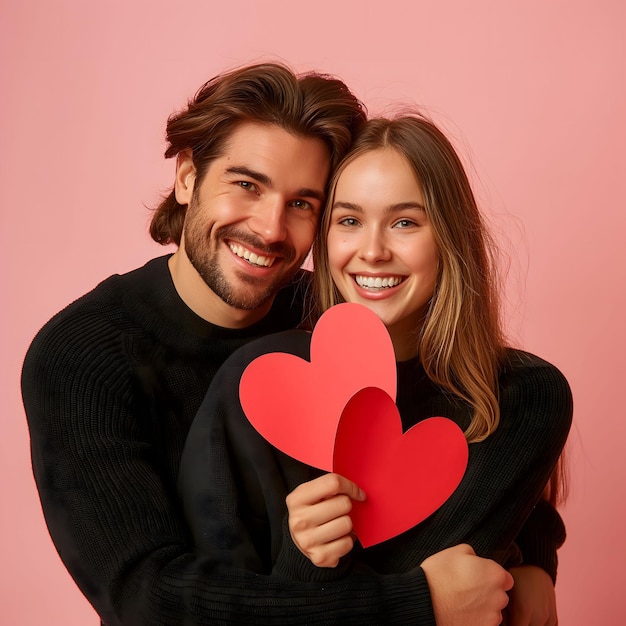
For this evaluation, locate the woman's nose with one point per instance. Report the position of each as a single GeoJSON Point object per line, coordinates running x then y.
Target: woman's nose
{"type": "Point", "coordinates": [374, 247]}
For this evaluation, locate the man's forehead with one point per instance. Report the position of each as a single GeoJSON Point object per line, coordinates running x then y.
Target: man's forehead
{"type": "Point", "coordinates": [265, 151]}
{"type": "Point", "coordinates": [249, 135]}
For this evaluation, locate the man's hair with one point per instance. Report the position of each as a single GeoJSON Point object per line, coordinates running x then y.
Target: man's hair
{"type": "Point", "coordinates": [460, 342]}
{"type": "Point", "coordinates": [307, 105]}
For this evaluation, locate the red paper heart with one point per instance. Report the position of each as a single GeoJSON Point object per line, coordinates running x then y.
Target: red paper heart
{"type": "Point", "coordinates": [406, 477]}
{"type": "Point", "coordinates": [296, 405]}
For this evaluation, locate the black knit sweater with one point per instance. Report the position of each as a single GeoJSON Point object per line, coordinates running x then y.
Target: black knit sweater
{"type": "Point", "coordinates": [241, 518]}
{"type": "Point", "coordinates": [110, 386]}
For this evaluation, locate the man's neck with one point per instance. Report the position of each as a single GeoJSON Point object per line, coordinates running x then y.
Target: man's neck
{"type": "Point", "coordinates": [204, 302]}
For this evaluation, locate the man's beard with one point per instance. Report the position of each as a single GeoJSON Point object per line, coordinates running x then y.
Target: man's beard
{"type": "Point", "coordinates": [202, 254]}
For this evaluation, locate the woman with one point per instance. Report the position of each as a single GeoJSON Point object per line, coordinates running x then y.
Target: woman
{"type": "Point", "coordinates": [403, 236]}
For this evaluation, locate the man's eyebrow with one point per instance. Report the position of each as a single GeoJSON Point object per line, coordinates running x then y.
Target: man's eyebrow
{"type": "Point", "coordinates": [305, 192]}
{"type": "Point", "coordinates": [246, 171]}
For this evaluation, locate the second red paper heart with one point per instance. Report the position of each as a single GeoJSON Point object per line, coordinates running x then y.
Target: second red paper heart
{"type": "Point", "coordinates": [406, 477]}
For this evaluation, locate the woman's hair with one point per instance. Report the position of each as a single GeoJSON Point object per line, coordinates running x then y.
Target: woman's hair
{"type": "Point", "coordinates": [309, 105]}
{"type": "Point", "coordinates": [460, 343]}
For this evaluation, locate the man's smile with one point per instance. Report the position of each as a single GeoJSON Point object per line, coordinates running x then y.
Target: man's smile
{"type": "Point", "coordinates": [252, 257]}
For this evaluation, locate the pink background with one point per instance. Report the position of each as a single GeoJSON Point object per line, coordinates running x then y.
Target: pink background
{"type": "Point", "coordinates": [536, 88]}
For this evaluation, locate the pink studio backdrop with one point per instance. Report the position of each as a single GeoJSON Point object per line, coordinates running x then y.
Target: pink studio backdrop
{"type": "Point", "coordinates": [533, 93]}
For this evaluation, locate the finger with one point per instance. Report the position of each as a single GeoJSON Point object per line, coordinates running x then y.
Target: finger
{"type": "Point", "coordinates": [327, 533]}
{"type": "Point", "coordinates": [335, 484]}
{"type": "Point", "coordinates": [328, 554]}
{"type": "Point", "coordinates": [308, 516]}
{"type": "Point", "coordinates": [323, 488]}
{"type": "Point", "coordinates": [504, 600]}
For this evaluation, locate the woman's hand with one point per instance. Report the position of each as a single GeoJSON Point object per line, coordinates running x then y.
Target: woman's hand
{"type": "Point", "coordinates": [319, 518]}
{"type": "Point", "coordinates": [532, 599]}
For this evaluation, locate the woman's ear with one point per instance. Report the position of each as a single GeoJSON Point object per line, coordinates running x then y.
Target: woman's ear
{"type": "Point", "coordinates": [185, 177]}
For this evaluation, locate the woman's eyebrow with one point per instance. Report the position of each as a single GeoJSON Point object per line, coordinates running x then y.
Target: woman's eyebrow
{"type": "Point", "coordinates": [347, 205]}
{"type": "Point", "coordinates": [402, 206]}
{"type": "Point", "coordinates": [392, 208]}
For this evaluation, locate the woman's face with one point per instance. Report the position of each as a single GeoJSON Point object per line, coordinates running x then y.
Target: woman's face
{"type": "Point", "coordinates": [381, 248]}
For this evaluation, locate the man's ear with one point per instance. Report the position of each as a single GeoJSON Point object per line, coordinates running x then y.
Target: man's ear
{"type": "Point", "coordinates": [185, 177]}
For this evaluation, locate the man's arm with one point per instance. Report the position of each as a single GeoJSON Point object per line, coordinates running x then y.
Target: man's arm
{"type": "Point", "coordinates": [477, 605]}
{"type": "Point", "coordinates": [118, 526]}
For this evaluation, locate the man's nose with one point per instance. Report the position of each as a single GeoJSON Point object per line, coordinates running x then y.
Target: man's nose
{"type": "Point", "coordinates": [269, 220]}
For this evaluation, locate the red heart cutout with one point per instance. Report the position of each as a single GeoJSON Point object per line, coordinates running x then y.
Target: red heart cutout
{"type": "Point", "coordinates": [406, 477]}
{"type": "Point", "coordinates": [296, 405]}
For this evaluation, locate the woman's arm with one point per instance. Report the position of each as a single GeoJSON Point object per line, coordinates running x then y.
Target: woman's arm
{"type": "Point", "coordinates": [465, 589]}
{"type": "Point", "coordinates": [542, 533]}
{"type": "Point", "coordinates": [532, 598]}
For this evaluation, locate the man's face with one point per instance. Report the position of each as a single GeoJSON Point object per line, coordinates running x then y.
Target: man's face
{"type": "Point", "coordinates": [251, 220]}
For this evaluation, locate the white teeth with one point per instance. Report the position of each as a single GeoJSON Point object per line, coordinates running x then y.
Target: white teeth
{"type": "Point", "coordinates": [251, 257]}
{"type": "Point", "coordinates": [369, 282]}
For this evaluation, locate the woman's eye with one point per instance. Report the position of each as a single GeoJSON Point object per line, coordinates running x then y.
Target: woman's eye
{"type": "Point", "coordinates": [404, 224]}
{"type": "Point", "coordinates": [348, 221]}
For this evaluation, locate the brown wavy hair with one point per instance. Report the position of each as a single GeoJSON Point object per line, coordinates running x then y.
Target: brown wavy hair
{"type": "Point", "coordinates": [460, 342]}
{"type": "Point", "coordinates": [308, 105]}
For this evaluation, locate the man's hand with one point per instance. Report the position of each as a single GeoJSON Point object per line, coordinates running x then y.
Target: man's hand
{"type": "Point", "coordinates": [319, 518]}
{"type": "Point", "coordinates": [466, 590]}
{"type": "Point", "coordinates": [532, 599]}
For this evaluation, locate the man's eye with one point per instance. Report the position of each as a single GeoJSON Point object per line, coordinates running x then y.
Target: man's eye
{"type": "Point", "coordinates": [247, 185]}
{"type": "Point", "coordinates": [302, 205]}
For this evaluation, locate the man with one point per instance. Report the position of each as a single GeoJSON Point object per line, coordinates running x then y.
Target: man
{"type": "Point", "coordinates": [111, 384]}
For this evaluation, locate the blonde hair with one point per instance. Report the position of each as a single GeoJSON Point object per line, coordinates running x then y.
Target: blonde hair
{"type": "Point", "coordinates": [460, 343]}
